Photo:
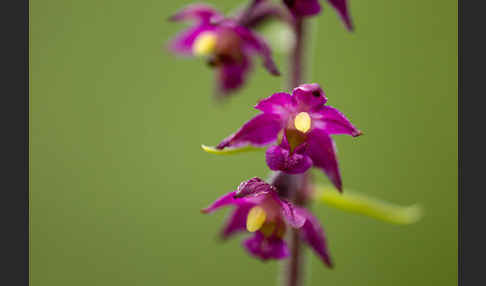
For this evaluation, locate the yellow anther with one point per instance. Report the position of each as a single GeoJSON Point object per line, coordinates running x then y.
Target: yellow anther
{"type": "Point", "coordinates": [204, 44]}
{"type": "Point", "coordinates": [256, 218]}
{"type": "Point", "coordinates": [302, 122]}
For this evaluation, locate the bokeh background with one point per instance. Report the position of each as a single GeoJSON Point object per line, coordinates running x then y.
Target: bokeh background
{"type": "Point", "coordinates": [118, 177]}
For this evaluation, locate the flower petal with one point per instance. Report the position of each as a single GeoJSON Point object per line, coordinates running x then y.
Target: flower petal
{"type": "Point", "coordinates": [333, 122]}
{"type": "Point", "coordinates": [230, 151]}
{"type": "Point", "coordinates": [232, 75]}
{"type": "Point", "coordinates": [322, 151]}
{"type": "Point", "coordinates": [266, 248]}
{"type": "Point", "coordinates": [341, 7]}
{"type": "Point", "coordinates": [313, 234]}
{"type": "Point", "coordinates": [201, 12]}
{"type": "Point", "coordinates": [279, 103]}
{"type": "Point", "coordinates": [360, 204]}
{"type": "Point", "coordinates": [237, 221]}
{"type": "Point", "coordinates": [184, 41]}
{"type": "Point", "coordinates": [280, 159]}
{"type": "Point", "coordinates": [294, 216]}
{"type": "Point", "coordinates": [309, 96]}
{"type": "Point", "coordinates": [303, 8]}
{"type": "Point", "coordinates": [260, 46]}
{"type": "Point", "coordinates": [225, 200]}
{"type": "Point", "coordinates": [258, 131]}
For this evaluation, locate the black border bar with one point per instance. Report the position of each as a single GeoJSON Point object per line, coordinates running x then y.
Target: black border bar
{"type": "Point", "coordinates": [14, 116]}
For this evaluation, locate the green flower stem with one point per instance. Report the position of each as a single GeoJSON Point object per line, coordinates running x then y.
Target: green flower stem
{"type": "Point", "coordinates": [357, 203]}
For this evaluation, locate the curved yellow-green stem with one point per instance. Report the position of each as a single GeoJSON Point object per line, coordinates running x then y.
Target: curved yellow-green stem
{"type": "Point", "coordinates": [230, 151]}
{"type": "Point", "coordinates": [363, 205]}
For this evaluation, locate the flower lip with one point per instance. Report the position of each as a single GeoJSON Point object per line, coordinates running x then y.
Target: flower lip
{"type": "Point", "coordinates": [266, 248]}
{"type": "Point", "coordinates": [280, 159]}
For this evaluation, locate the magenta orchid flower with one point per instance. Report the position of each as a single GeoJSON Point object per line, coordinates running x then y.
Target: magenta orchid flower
{"type": "Point", "coordinates": [303, 8]}
{"type": "Point", "coordinates": [226, 44]}
{"type": "Point", "coordinates": [259, 210]}
{"type": "Point", "coordinates": [301, 125]}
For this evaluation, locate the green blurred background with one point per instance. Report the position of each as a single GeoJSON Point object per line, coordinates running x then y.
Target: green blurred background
{"type": "Point", "coordinates": [117, 175]}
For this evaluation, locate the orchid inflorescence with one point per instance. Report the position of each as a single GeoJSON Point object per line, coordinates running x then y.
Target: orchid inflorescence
{"type": "Point", "coordinates": [295, 129]}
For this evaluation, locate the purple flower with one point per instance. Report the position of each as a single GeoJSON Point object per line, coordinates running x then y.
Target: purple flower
{"type": "Point", "coordinates": [301, 124]}
{"type": "Point", "coordinates": [303, 8]}
{"type": "Point", "coordinates": [259, 210]}
{"type": "Point", "coordinates": [227, 45]}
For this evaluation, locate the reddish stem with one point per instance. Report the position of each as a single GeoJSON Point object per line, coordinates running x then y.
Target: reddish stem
{"type": "Point", "coordinates": [294, 268]}
{"type": "Point", "coordinates": [297, 60]}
